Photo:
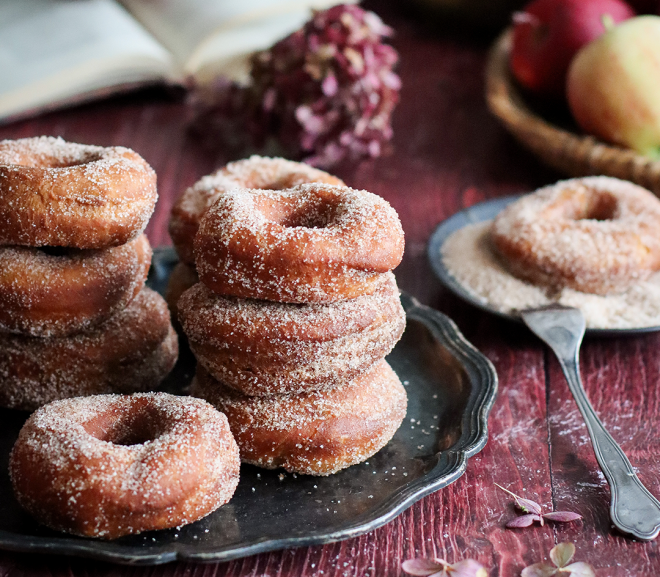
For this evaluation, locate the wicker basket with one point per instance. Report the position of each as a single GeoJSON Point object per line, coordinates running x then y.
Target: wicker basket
{"type": "Point", "coordinates": [565, 151]}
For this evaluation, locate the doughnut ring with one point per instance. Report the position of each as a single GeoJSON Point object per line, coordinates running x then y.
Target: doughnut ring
{"type": "Point", "coordinates": [263, 348]}
{"type": "Point", "coordinates": [254, 172]}
{"type": "Point", "coordinates": [113, 465]}
{"type": "Point", "coordinates": [311, 243]}
{"type": "Point", "coordinates": [132, 351]}
{"type": "Point", "coordinates": [57, 193]}
{"type": "Point", "coordinates": [596, 235]}
{"type": "Point", "coordinates": [84, 287]}
{"type": "Point", "coordinates": [316, 433]}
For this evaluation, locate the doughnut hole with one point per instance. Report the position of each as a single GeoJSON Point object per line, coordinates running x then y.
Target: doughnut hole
{"type": "Point", "coordinates": [586, 204]}
{"type": "Point", "coordinates": [291, 213]}
{"type": "Point", "coordinates": [139, 424]}
{"type": "Point", "coordinates": [55, 161]}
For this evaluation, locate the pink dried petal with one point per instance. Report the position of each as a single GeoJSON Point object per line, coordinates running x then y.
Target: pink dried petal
{"type": "Point", "coordinates": [376, 25]}
{"type": "Point", "coordinates": [528, 505]}
{"type": "Point", "coordinates": [330, 85]}
{"type": "Point", "coordinates": [391, 80]}
{"type": "Point", "coordinates": [562, 516]}
{"type": "Point", "coordinates": [268, 101]}
{"type": "Point", "coordinates": [523, 521]}
{"type": "Point", "coordinates": [423, 567]}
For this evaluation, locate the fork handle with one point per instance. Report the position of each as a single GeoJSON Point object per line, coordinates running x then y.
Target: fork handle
{"type": "Point", "coordinates": [632, 508]}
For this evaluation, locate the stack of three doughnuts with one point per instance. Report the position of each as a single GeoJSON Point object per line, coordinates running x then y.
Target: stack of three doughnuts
{"type": "Point", "coordinates": [296, 309]}
{"type": "Point", "coordinates": [75, 318]}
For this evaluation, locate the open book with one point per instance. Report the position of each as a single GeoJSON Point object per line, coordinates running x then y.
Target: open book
{"type": "Point", "coordinates": [56, 52]}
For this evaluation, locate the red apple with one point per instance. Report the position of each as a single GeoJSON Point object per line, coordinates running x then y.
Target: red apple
{"type": "Point", "coordinates": [613, 86]}
{"type": "Point", "coordinates": [548, 33]}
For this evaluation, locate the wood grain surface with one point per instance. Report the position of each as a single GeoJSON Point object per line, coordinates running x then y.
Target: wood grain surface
{"type": "Point", "coordinates": [448, 153]}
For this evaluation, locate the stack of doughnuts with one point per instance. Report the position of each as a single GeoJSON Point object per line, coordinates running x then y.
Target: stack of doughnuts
{"type": "Point", "coordinates": [294, 313]}
{"type": "Point", "coordinates": [75, 317]}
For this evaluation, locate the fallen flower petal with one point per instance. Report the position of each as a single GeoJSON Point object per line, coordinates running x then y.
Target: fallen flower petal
{"type": "Point", "coordinates": [562, 516]}
{"type": "Point", "coordinates": [440, 568]}
{"type": "Point", "coordinates": [562, 554]}
{"type": "Point", "coordinates": [539, 570]}
{"type": "Point", "coordinates": [468, 568]}
{"type": "Point", "coordinates": [423, 567]}
{"type": "Point", "coordinates": [523, 521]}
{"type": "Point", "coordinates": [580, 569]}
{"type": "Point", "coordinates": [526, 505]}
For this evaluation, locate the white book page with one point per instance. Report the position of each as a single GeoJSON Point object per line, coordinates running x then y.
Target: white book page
{"type": "Point", "coordinates": [51, 50]}
{"type": "Point", "coordinates": [209, 37]}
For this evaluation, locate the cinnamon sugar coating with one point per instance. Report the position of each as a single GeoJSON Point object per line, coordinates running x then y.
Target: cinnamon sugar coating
{"type": "Point", "coordinates": [57, 193]}
{"type": "Point", "coordinates": [255, 172]}
{"type": "Point", "coordinates": [112, 465]}
{"type": "Point", "coordinates": [263, 348]}
{"type": "Point", "coordinates": [596, 235]}
{"type": "Point", "coordinates": [316, 433]}
{"type": "Point", "coordinates": [313, 243]}
{"type": "Point", "coordinates": [54, 295]}
{"type": "Point", "coordinates": [132, 351]}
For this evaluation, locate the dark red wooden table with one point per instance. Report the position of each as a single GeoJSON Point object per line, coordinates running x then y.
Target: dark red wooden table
{"type": "Point", "coordinates": [448, 154]}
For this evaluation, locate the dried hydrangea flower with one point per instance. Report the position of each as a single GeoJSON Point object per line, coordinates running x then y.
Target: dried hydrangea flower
{"type": "Point", "coordinates": [325, 92]}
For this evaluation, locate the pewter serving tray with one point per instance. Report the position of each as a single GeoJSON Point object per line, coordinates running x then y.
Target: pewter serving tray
{"type": "Point", "coordinates": [451, 388]}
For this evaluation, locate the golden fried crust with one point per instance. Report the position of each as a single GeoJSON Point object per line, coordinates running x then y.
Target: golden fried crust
{"type": "Point", "coordinates": [256, 172]}
{"type": "Point", "coordinates": [316, 433]}
{"type": "Point", "coordinates": [313, 243]}
{"type": "Point", "coordinates": [132, 351]}
{"type": "Point", "coordinates": [57, 193]}
{"type": "Point", "coordinates": [83, 288]}
{"type": "Point", "coordinates": [264, 348]}
{"type": "Point", "coordinates": [112, 465]}
{"type": "Point", "coordinates": [596, 235]}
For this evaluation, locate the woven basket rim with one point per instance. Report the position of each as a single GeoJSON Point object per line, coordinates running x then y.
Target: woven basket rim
{"type": "Point", "coordinates": [570, 153]}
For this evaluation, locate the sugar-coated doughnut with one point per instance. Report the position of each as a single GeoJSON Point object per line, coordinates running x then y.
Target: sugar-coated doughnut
{"type": "Point", "coordinates": [57, 193]}
{"type": "Point", "coordinates": [58, 292]}
{"type": "Point", "coordinates": [315, 433]}
{"type": "Point", "coordinates": [263, 348]}
{"type": "Point", "coordinates": [254, 172]}
{"type": "Point", "coordinates": [112, 465]}
{"type": "Point", "coordinates": [311, 243]}
{"type": "Point", "coordinates": [132, 351]}
{"type": "Point", "coordinates": [596, 235]}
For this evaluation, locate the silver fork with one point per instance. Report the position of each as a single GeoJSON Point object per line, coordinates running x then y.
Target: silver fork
{"type": "Point", "coordinates": [632, 508]}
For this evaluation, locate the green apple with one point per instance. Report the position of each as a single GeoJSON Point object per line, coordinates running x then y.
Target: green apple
{"type": "Point", "coordinates": [613, 85]}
